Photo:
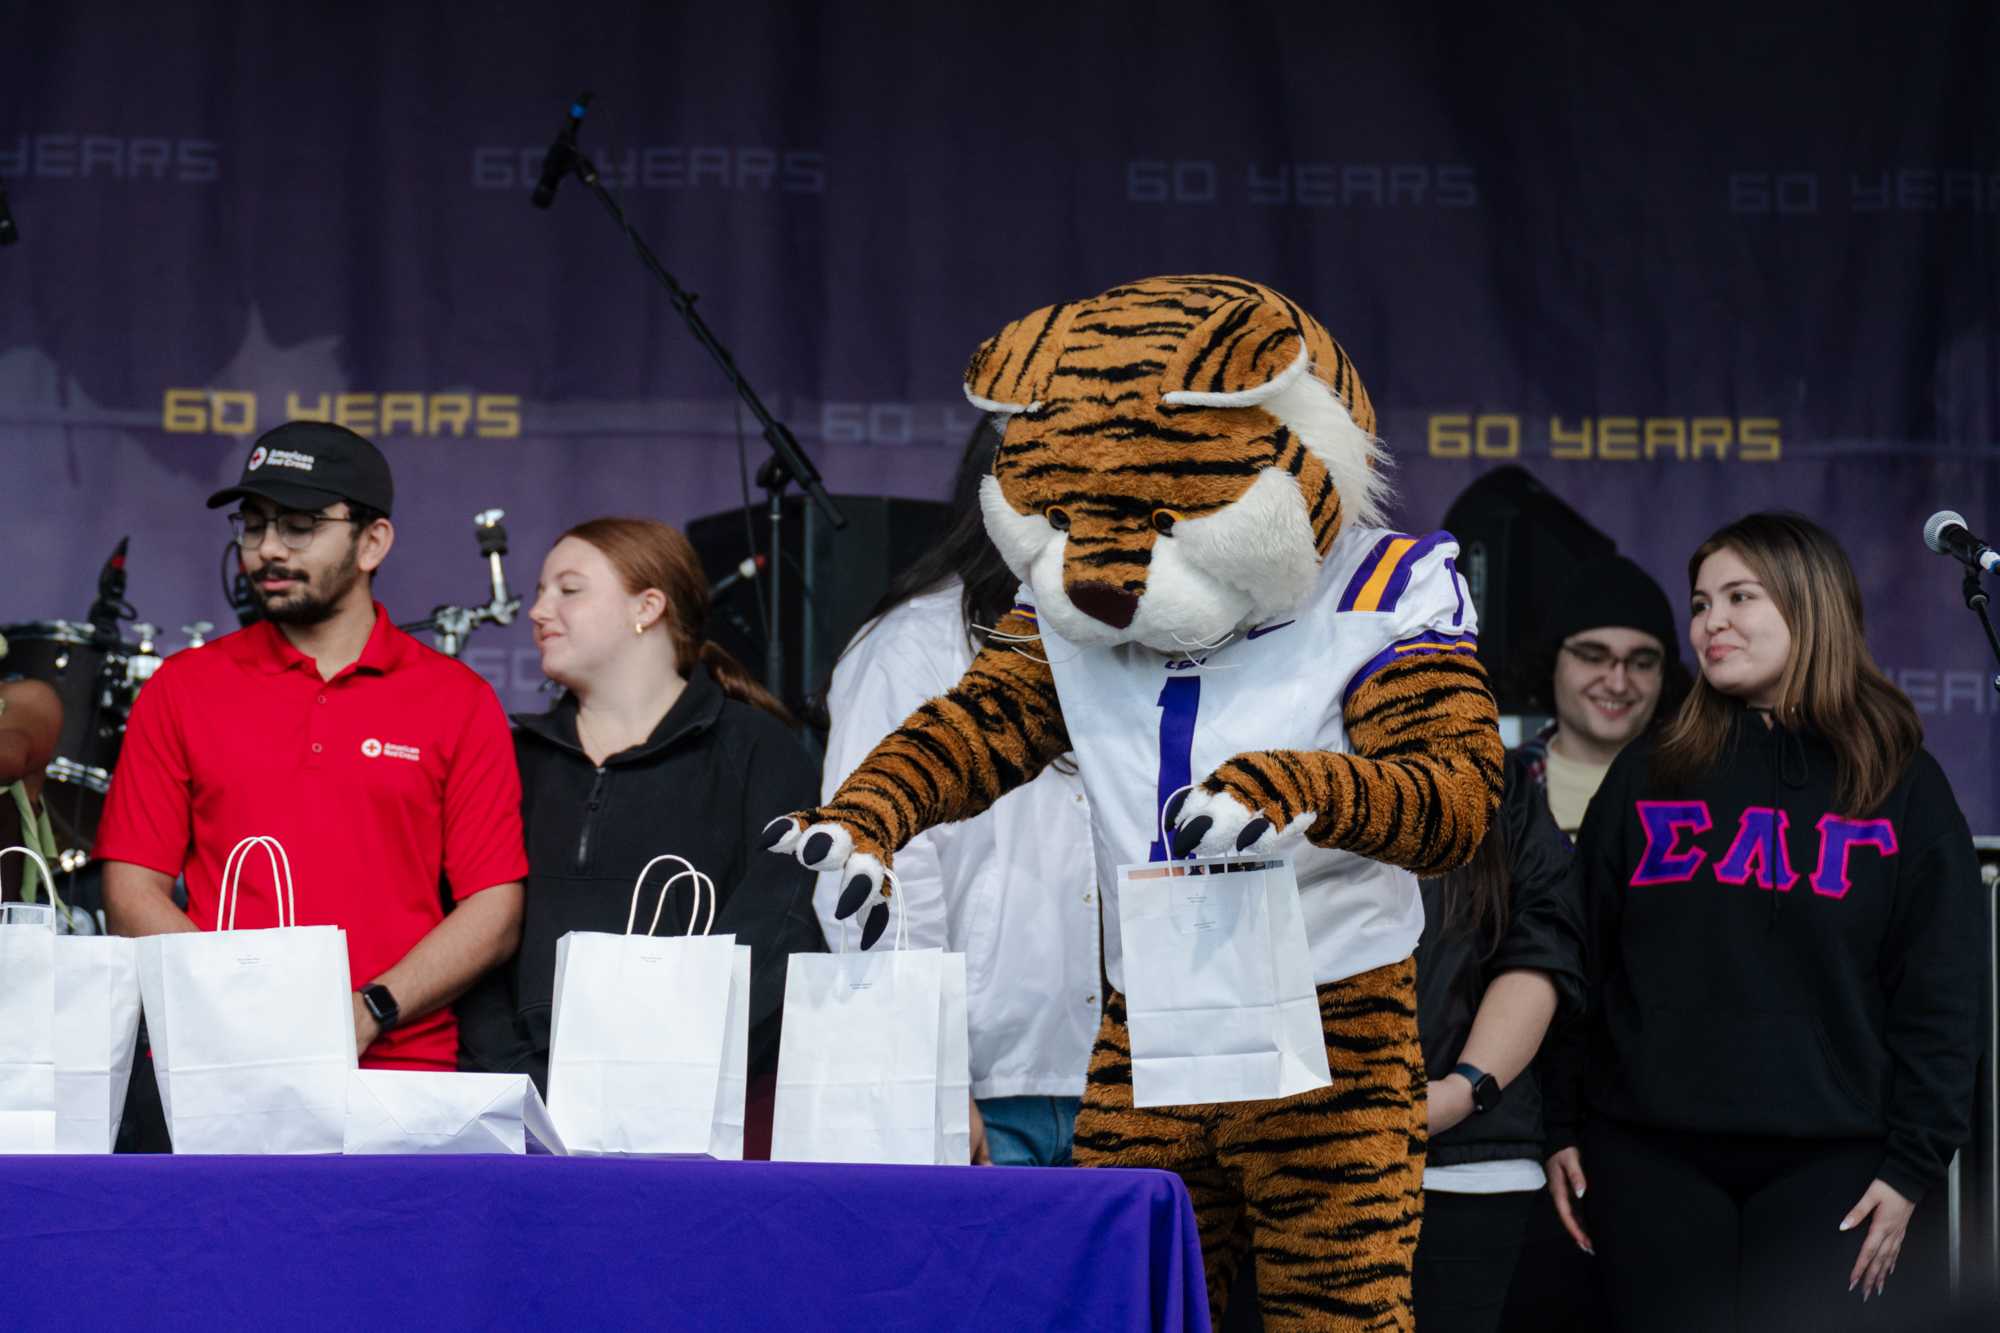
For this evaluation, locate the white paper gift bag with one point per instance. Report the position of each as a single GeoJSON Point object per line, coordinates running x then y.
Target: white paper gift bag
{"type": "Point", "coordinates": [954, 1090]}
{"type": "Point", "coordinates": [859, 1056]}
{"type": "Point", "coordinates": [1219, 995]}
{"type": "Point", "coordinates": [96, 1031]}
{"type": "Point", "coordinates": [649, 1036]}
{"type": "Point", "coordinates": [732, 1090]}
{"type": "Point", "coordinates": [252, 1030]}
{"type": "Point", "coordinates": [440, 1111]}
{"type": "Point", "coordinates": [27, 1022]}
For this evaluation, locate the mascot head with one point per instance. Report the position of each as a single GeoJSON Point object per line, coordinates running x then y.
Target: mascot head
{"type": "Point", "coordinates": [1178, 456]}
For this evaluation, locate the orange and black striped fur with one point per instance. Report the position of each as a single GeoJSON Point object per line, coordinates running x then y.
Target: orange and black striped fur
{"type": "Point", "coordinates": [1179, 454]}
{"type": "Point", "coordinates": [1325, 1189]}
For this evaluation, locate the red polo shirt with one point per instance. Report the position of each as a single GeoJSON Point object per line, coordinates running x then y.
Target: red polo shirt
{"type": "Point", "coordinates": [378, 783]}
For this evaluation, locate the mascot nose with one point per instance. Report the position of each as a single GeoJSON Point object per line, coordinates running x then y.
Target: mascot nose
{"type": "Point", "coordinates": [1100, 601]}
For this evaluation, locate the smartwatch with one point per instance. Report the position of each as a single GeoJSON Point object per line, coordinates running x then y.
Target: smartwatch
{"type": "Point", "coordinates": [1485, 1088]}
{"type": "Point", "coordinates": [381, 1004]}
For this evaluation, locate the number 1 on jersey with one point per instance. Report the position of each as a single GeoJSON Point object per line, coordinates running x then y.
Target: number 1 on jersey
{"type": "Point", "coordinates": [1178, 702]}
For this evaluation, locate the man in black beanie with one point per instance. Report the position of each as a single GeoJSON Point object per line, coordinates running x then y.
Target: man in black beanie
{"type": "Point", "coordinates": [1616, 662]}
{"type": "Point", "coordinates": [1614, 658]}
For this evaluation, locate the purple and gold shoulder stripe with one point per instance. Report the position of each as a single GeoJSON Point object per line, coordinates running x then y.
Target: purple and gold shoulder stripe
{"type": "Point", "coordinates": [1426, 641]}
{"type": "Point", "coordinates": [1385, 572]}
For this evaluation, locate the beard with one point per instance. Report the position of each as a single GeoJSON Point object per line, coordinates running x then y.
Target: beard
{"type": "Point", "coordinates": [313, 602]}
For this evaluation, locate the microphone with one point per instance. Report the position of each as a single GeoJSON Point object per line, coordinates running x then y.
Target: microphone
{"type": "Point", "coordinates": [110, 607]}
{"type": "Point", "coordinates": [746, 569]}
{"type": "Point", "coordinates": [9, 233]}
{"type": "Point", "coordinates": [561, 153]}
{"type": "Point", "coordinates": [1945, 532]}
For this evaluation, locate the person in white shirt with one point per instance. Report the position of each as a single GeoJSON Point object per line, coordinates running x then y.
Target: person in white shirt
{"type": "Point", "coordinates": [1014, 889]}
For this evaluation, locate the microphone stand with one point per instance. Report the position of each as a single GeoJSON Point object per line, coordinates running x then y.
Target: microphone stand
{"type": "Point", "coordinates": [1984, 1139]}
{"type": "Point", "coordinates": [1976, 600]}
{"type": "Point", "coordinates": [788, 463]}
{"type": "Point", "coordinates": [450, 626]}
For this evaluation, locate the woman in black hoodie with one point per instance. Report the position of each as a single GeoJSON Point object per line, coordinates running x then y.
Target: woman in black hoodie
{"type": "Point", "coordinates": [1782, 919]}
{"type": "Point", "coordinates": [1501, 949]}
{"type": "Point", "coordinates": [661, 743]}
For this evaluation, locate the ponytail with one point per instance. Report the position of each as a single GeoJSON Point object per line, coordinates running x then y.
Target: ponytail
{"type": "Point", "coordinates": [737, 682]}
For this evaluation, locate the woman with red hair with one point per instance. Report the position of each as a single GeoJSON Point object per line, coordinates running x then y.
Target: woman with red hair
{"type": "Point", "coordinates": [661, 742]}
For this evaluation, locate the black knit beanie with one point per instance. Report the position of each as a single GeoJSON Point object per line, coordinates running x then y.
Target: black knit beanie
{"type": "Point", "coordinates": [1613, 591]}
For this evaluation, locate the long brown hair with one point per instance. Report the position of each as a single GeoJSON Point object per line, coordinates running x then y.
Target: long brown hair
{"type": "Point", "coordinates": [1830, 682]}
{"type": "Point", "coordinates": [1478, 895]}
{"type": "Point", "coordinates": [649, 554]}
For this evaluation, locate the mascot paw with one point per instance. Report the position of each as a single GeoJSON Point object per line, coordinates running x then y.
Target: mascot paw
{"type": "Point", "coordinates": [1216, 820]}
{"type": "Point", "coordinates": [831, 847]}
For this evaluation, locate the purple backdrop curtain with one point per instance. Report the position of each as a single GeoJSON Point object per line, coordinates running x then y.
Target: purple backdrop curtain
{"type": "Point", "coordinates": [1681, 267]}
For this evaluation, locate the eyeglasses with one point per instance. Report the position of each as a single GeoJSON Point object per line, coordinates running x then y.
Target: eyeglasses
{"type": "Point", "coordinates": [295, 530]}
{"type": "Point", "coordinates": [1639, 662]}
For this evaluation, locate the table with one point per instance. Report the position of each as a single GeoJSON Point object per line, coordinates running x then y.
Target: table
{"type": "Point", "coordinates": [439, 1243]}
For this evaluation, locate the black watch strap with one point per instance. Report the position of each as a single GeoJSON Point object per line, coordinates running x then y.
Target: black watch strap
{"type": "Point", "coordinates": [1485, 1088]}
{"type": "Point", "coordinates": [381, 1004]}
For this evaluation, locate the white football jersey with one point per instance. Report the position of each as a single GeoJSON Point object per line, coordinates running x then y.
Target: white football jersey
{"type": "Point", "coordinates": [1144, 726]}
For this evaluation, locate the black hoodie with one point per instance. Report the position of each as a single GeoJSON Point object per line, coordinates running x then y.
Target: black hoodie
{"type": "Point", "coordinates": [1454, 968]}
{"type": "Point", "coordinates": [1843, 1002]}
{"type": "Point", "coordinates": [703, 786]}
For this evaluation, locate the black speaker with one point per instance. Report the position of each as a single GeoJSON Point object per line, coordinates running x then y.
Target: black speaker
{"type": "Point", "coordinates": [1518, 542]}
{"type": "Point", "coordinates": [849, 570]}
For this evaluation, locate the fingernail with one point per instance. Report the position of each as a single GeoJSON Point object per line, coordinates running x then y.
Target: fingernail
{"type": "Point", "coordinates": [1587, 1250]}
{"type": "Point", "coordinates": [1847, 1224]}
{"type": "Point", "coordinates": [1579, 1191]}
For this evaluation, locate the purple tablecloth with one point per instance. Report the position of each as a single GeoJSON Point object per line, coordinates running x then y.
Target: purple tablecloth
{"type": "Point", "coordinates": [525, 1242]}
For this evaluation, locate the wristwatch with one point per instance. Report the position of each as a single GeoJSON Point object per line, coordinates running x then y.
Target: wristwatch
{"type": "Point", "coordinates": [1486, 1089]}
{"type": "Point", "coordinates": [381, 1004]}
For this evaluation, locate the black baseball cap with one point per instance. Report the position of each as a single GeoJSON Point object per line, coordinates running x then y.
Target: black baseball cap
{"type": "Point", "coordinates": [308, 465]}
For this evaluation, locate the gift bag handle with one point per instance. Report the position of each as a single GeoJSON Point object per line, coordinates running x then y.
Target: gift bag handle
{"type": "Point", "coordinates": [1167, 843]}
{"type": "Point", "coordinates": [632, 915]}
{"type": "Point", "coordinates": [281, 874]}
{"type": "Point", "coordinates": [48, 880]}
{"type": "Point", "coordinates": [694, 909]}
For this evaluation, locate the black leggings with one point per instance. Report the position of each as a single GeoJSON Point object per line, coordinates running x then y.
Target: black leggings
{"type": "Point", "coordinates": [1465, 1258]}
{"type": "Point", "coordinates": [1742, 1234]}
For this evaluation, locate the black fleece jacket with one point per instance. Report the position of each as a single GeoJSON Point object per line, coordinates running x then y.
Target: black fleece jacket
{"type": "Point", "coordinates": [1543, 934]}
{"type": "Point", "coordinates": [1761, 965]}
{"type": "Point", "coordinates": [702, 786]}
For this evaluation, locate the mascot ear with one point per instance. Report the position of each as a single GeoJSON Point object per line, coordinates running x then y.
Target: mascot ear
{"type": "Point", "coordinates": [1248, 351]}
{"type": "Point", "coordinates": [1012, 369]}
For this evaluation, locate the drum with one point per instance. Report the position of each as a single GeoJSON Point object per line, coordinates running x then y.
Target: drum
{"type": "Point", "coordinates": [96, 686]}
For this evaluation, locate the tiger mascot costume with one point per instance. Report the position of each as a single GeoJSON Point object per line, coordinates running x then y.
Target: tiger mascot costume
{"type": "Point", "coordinates": [1189, 488]}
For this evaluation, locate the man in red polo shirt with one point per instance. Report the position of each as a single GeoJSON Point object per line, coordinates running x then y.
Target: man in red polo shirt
{"type": "Point", "coordinates": [380, 765]}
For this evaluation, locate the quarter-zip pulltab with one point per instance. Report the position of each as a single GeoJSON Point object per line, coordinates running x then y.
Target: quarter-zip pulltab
{"type": "Point", "coordinates": [589, 818]}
